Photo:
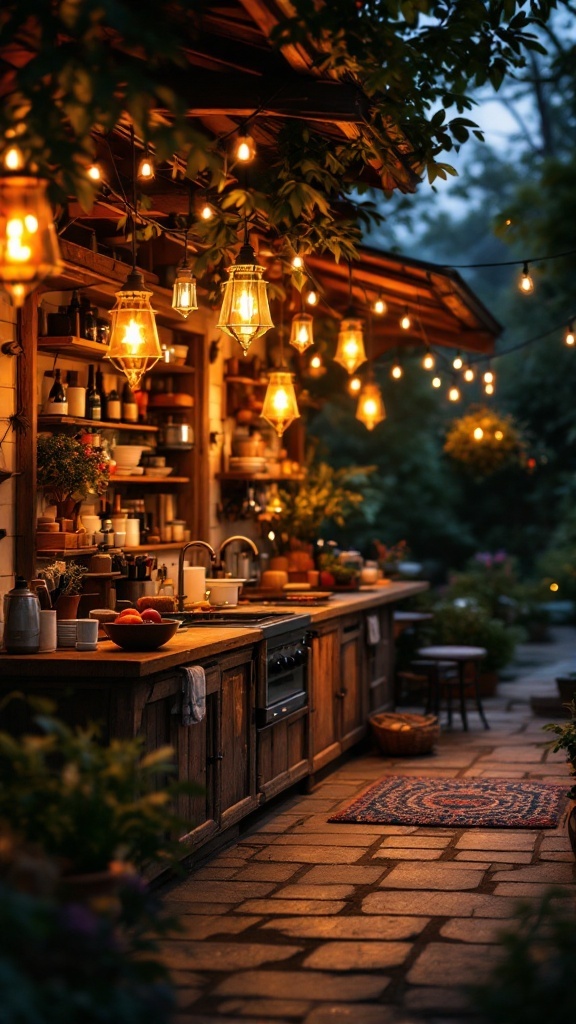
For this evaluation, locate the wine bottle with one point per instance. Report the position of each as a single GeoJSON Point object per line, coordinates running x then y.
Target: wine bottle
{"type": "Point", "coordinates": [93, 402]}
{"type": "Point", "coordinates": [74, 312]}
{"type": "Point", "coordinates": [57, 404]}
{"type": "Point", "coordinates": [113, 406]}
{"type": "Point", "coordinates": [129, 406]}
{"type": "Point", "coordinates": [102, 393]}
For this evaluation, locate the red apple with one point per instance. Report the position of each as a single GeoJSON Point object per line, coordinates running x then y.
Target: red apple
{"type": "Point", "coordinates": [151, 615]}
{"type": "Point", "coordinates": [326, 579]}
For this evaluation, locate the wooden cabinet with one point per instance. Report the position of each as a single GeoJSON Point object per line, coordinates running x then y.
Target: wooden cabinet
{"type": "Point", "coordinates": [379, 658]}
{"type": "Point", "coordinates": [282, 754]}
{"type": "Point", "coordinates": [338, 699]}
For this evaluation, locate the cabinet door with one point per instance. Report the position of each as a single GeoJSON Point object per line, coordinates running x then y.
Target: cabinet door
{"type": "Point", "coordinates": [379, 660]}
{"type": "Point", "coordinates": [351, 693]}
{"type": "Point", "coordinates": [282, 754]}
{"type": "Point", "coordinates": [324, 702]}
{"type": "Point", "coordinates": [237, 747]}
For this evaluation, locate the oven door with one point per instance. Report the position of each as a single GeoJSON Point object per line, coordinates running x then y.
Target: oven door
{"type": "Point", "coordinates": [285, 693]}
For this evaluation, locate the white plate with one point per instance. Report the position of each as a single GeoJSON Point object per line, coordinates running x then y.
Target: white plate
{"type": "Point", "coordinates": [159, 471]}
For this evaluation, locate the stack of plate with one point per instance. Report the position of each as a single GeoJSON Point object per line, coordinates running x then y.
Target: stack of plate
{"type": "Point", "coordinates": [247, 464]}
{"type": "Point", "coordinates": [66, 629]}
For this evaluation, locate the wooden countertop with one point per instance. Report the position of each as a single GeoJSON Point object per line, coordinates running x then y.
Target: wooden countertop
{"type": "Point", "coordinates": [194, 644]}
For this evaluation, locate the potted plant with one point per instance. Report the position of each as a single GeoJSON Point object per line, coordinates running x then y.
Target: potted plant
{"type": "Point", "coordinates": [566, 740]}
{"type": "Point", "coordinates": [93, 808]}
{"type": "Point", "coordinates": [65, 581]}
{"type": "Point", "coordinates": [471, 624]}
{"type": "Point", "coordinates": [68, 471]}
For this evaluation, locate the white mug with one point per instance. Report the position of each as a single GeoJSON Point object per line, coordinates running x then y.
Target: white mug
{"type": "Point", "coordinates": [48, 631]}
{"type": "Point", "coordinates": [87, 631]}
{"type": "Point", "coordinates": [194, 584]}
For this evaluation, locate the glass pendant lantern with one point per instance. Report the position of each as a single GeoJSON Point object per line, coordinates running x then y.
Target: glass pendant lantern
{"type": "Point", "coordinates": [370, 410]}
{"type": "Point", "coordinates": [280, 407]}
{"type": "Point", "coordinates": [350, 352]}
{"type": "Point", "coordinates": [302, 332]}
{"type": "Point", "coordinates": [28, 240]}
{"type": "Point", "coordinates": [245, 314]}
{"type": "Point", "coordinates": [184, 299]}
{"type": "Point", "coordinates": [134, 345]}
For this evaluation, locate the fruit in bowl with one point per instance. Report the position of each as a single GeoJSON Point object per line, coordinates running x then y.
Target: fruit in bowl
{"type": "Point", "coordinates": [134, 633]}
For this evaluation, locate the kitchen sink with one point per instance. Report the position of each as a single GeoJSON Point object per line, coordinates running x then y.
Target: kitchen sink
{"type": "Point", "coordinates": [269, 622]}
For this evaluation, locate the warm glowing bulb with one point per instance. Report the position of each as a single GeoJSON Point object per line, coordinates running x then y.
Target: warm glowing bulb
{"type": "Point", "coordinates": [271, 535]}
{"type": "Point", "coordinates": [146, 169]}
{"type": "Point", "coordinates": [94, 172]}
{"type": "Point", "coordinates": [488, 377]}
{"type": "Point", "coordinates": [245, 150]}
{"type": "Point", "coordinates": [13, 159]}
{"type": "Point", "coordinates": [245, 306]}
{"type": "Point", "coordinates": [133, 338]}
{"type": "Point", "coordinates": [569, 337]}
{"type": "Point", "coordinates": [554, 587]}
{"type": "Point", "coordinates": [498, 435]}
{"type": "Point", "coordinates": [458, 362]}
{"type": "Point", "coordinates": [469, 374]}
{"type": "Point", "coordinates": [454, 394]}
{"type": "Point", "coordinates": [396, 371]}
{"type": "Point", "coordinates": [428, 361]}
{"type": "Point", "coordinates": [405, 322]}
{"type": "Point", "coordinates": [297, 263]}
{"type": "Point", "coordinates": [526, 284]}
{"type": "Point", "coordinates": [380, 307]}
{"type": "Point", "coordinates": [354, 385]}
{"type": "Point", "coordinates": [489, 389]}
{"type": "Point", "coordinates": [312, 298]}
{"type": "Point", "coordinates": [478, 434]}
{"type": "Point", "coordinates": [206, 212]}
{"type": "Point", "coordinates": [436, 382]}
{"type": "Point", "coordinates": [316, 362]}
{"type": "Point", "coordinates": [16, 251]}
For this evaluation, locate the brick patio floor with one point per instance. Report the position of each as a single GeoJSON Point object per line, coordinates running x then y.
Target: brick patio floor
{"type": "Point", "coordinates": [304, 921]}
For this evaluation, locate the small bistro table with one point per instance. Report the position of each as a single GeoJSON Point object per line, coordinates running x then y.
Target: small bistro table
{"type": "Point", "coordinates": [462, 656]}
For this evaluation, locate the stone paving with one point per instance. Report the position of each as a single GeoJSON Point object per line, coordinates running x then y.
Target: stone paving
{"type": "Point", "coordinates": [305, 922]}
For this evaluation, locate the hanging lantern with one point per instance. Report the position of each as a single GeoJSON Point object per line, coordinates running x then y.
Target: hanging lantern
{"type": "Point", "coordinates": [526, 281]}
{"type": "Point", "coordinates": [245, 314]}
{"type": "Point", "coordinates": [28, 241]}
{"type": "Point", "coordinates": [134, 346]}
{"type": "Point", "coordinates": [301, 334]}
{"type": "Point", "coordinates": [280, 407]}
{"type": "Point", "coordinates": [184, 298]}
{"type": "Point", "coordinates": [370, 409]}
{"type": "Point", "coordinates": [350, 352]}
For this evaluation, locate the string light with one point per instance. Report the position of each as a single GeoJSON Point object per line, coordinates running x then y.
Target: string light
{"type": "Point", "coordinates": [380, 307]}
{"type": "Point", "coordinates": [488, 377]}
{"type": "Point", "coordinates": [94, 172]}
{"type": "Point", "coordinates": [498, 435]}
{"type": "Point", "coordinates": [405, 321]}
{"type": "Point", "coordinates": [245, 147]}
{"type": "Point", "coordinates": [469, 375]}
{"type": "Point", "coordinates": [370, 410]}
{"type": "Point", "coordinates": [206, 211]}
{"type": "Point", "coordinates": [354, 385]}
{"type": "Point", "coordinates": [245, 314]}
{"type": "Point", "coordinates": [315, 367]}
{"type": "Point", "coordinates": [297, 262]}
{"type": "Point", "coordinates": [428, 361]}
{"type": "Point", "coordinates": [350, 352]}
{"type": "Point", "coordinates": [301, 334]}
{"type": "Point", "coordinates": [489, 388]}
{"type": "Point", "coordinates": [311, 297]}
{"type": "Point", "coordinates": [525, 283]}
{"type": "Point", "coordinates": [570, 337]}
{"type": "Point", "coordinates": [396, 371]}
{"type": "Point", "coordinates": [478, 434]}
{"type": "Point", "coordinates": [13, 159]}
{"type": "Point", "coordinates": [436, 382]}
{"type": "Point", "coordinates": [457, 362]}
{"type": "Point", "coordinates": [146, 170]}
{"type": "Point", "coordinates": [454, 394]}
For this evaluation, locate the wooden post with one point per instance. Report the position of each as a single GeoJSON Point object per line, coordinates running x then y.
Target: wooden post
{"type": "Point", "coordinates": [26, 397]}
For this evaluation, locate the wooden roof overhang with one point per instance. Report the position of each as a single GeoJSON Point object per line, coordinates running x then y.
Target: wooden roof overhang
{"type": "Point", "coordinates": [444, 310]}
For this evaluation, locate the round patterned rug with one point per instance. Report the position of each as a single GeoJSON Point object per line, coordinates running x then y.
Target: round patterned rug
{"type": "Point", "coordinates": [457, 803]}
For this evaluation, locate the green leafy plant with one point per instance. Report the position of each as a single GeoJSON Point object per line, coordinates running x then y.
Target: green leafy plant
{"type": "Point", "coordinates": [327, 495]}
{"type": "Point", "coordinates": [85, 803]}
{"type": "Point", "coordinates": [471, 625]}
{"type": "Point", "coordinates": [68, 469]}
{"type": "Point", "coordinates": [64, 577]}
{"type": "Point", "coordinates": [566, 739]}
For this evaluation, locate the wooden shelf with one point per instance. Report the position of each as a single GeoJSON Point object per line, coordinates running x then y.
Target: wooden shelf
{"type": "Point", "coordinates": [170, 368]}
{"type": "Point", "coordinates": [247, 380]}
{"type": "Point", "coordinates": [147, 480]}
{"type": "Point", "coordinates": [66, 553]}
{"type": "Point", "coordinates": [260, 476]}
{"type": "Point", "coordinates": [72, 421]}
{"type": "Point", "coordinates": [83, 348]}
{"type": "Point", "coordinates": [160, 546]}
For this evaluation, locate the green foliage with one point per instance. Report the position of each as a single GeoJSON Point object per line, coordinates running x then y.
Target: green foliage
{"type": "Point", "coordinates": [344, 575]}
{"type": "Point", "coordinates": [472, 625]}
{"type": "Point", "coordinates": [84, 803]}
{"type": "Point", "coordinates": [534, 980]}
{"type": "Point", "coordinates": [566, 739]}
{"type": "Point", "coordinates": [68, 468]}
{"type": "Point", "coordinates": [490, 581]}
{"type": "Point", "coordinates": [327, 495]}
{"type": "Point", "coordinates": [64, 577]}
{"type": "Point", "coordinates": [485, 442]}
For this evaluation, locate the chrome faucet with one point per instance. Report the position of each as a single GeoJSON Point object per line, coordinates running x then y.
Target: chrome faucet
{"type": "Point", "coordinates": [191, 544]}
{"type": "Point", "coordinates": [246, 541]}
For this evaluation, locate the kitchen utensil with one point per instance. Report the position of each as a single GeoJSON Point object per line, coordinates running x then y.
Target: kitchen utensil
{"type": "Point", "coordinates": [194, 584]}
{"type": "Point", "coordinates": [146, 636]}
{"type": "Point", "coordinates": [21, 619]}
{"type": "Point", "coordinates": [87, 631]}
{"type": "Point", "coordinates": [175, 434]}
{"type": "Point", "coordinates": [224, 591]}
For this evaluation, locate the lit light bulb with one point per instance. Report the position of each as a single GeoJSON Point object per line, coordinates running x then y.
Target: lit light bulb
{"type": "Point", "coordinates": [316, 362]}
{"type": "Point", "coordinates": [133, 338]}
{"type": "Point", "coordinates": [554, 587]}
{"type": "Point", "coordinates": [245, 313]}
{"type": "Point", "coordinates": [489, 388]}
{"type": "Point", "coordinates": [94, 172]}
{"type": "Point", "coordinates": [206, 212]}
{"type": "Point", "coordinates": [146, 171]}
{"type": "Point", "coordinates": [454, 394]}
{"type": "Point", "coordinates": [245, 306]}
{"type": "Point", "coordinates": [499, 436]}
{"type": "Point", "coordinates": [354, 385]}
{"type": "Point", "coordinates": [271, 535]}
{"type": "Point", "coordinates": [405, 322]}
{"type": "Point", "coordinates": [370, 410]}
{"type": "Point", "coordinates": [350, 351]}
{"type": "Point", "coordinates": [245, 149]}
{"type": "Point", "coordinates": [570, 337]}
{"type": "Point", "coordinates": [311, 297]}
{"type": "Point", "coordinates": [301, 333]}
{"type": "Point", "coordinates": [428, 361]}
{"type": "Point", "coordinates": [526, 284]}
{"type": "Point", "coordinates": [297, 263]}
{"type": "Point", "coordinates": [396, 371]}
{"type": "Point", "coordinates": [13, 159]}
{"type": "Point", "coordinates": [280, 406]}
{"type": "Point", "coordinates": [478, 434]}
{"type": "Point", "coordinates": [28, 241]}
{"type": "Point", "coordinates": [380, 307]}
{"type": "Point", "coordinates": [436, 382]}
{"type": "Point", "coordinates": [488, 377]}
{"type": "Point", "coordinates": [458, 362]}
{"type": "Point", "coordinates": [469, 374]}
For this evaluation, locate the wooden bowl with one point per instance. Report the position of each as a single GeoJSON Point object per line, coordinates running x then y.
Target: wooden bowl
{"type": "Point", "coordinates": [136, 636]}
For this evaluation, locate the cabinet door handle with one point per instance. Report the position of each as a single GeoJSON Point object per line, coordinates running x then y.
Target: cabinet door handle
{"type": "Point", "coordinates": [351, 629]}
{"type": "Point", "coordinates": [341, 694]}
{"type": "Point", "coordinates": [217, 757]}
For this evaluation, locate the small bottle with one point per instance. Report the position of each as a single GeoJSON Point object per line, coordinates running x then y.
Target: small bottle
{"type": "Point", "coordinates": [129, 406]}
{"type": "Point", "coordinates": [57, 404]}
{"type": "Point", "coordinates": [76, 396]}
{"type": "Point", "coordinates": [102, 393]}
{"type": "Point", "coordinates": [113, 406]}
{"type": "Point", "coordinates": [74, 312]}
{"type": "Point", "coordinates": [93, 402]}
{"type": "Point", "coordinates": [87, 320]}
{"type": "Point", "coordinates": [107, 532]}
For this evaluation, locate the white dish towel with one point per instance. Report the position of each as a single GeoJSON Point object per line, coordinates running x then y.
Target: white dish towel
{"type": "Point", "coordinates": [193, 694]}
{"type": "Point", "coordinates": [373, 636]}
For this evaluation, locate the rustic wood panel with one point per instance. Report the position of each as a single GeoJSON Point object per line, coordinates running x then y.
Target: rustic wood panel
{"type": "Point", "coordinates": [324, 683]}
{"type": "Point", "coordinates": [26, 399]}
{"type": "Point", "coordinates": [235, 720]}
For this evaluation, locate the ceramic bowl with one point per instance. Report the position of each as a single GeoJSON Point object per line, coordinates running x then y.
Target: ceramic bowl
{"type": "Point", "coordinates": [224, 591]}
{"type": "Point", "coordinates": [136, 636]}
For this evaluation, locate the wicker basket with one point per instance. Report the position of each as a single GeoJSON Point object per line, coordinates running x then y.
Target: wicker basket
{"type": "Point", "coordinates": [405, 735]}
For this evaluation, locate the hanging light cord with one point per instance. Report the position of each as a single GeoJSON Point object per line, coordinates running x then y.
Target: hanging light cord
{"type": "Point", "coordinates": [134, 199]}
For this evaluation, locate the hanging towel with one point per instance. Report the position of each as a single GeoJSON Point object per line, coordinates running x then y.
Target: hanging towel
{"type": "Point", "coordinates": [372, 630]}
{"type": "Point", "coordinates": [193, 694]}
